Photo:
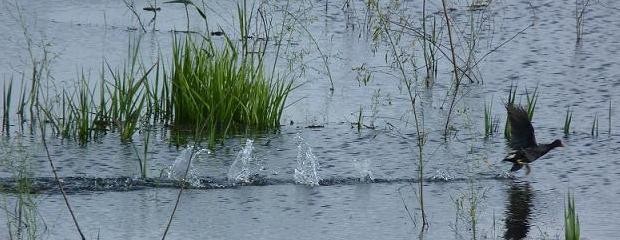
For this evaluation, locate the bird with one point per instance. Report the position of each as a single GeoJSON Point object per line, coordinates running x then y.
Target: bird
{"type": "Point", "coordinates": [523, 141]}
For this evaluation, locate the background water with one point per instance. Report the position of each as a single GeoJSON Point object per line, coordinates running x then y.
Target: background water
{"type": "Point", "coordinates": [80, 35]}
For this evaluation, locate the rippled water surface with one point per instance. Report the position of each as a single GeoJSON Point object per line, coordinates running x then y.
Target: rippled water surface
{"type": "Point", "coordinates": [320, 177]}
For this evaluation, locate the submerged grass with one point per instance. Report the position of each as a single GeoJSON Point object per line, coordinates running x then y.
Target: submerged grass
{"type": "Point", "coordinates": [223, 91]}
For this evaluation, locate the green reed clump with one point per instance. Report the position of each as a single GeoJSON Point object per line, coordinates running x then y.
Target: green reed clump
{"type": "Point", "coordinates": [571, 220]}
{"type": "Point", "coordinates": [568, 118]}
{"type": "Point", "coordinates": [221, 91]}
{"type": "Point", "coordinates": [127, 94]}
{"type": "Point", "coordinates": [83, 112]}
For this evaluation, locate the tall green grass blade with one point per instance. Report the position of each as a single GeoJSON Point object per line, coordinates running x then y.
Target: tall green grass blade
{"type": "Point", "coordinates": [594, 130]}
{"type": "Point", "coordinates": [571, 220]}
{"type": "Point", "coordinates": [512, 94]}
{"type": "Point", "coordinates": [568, 118]}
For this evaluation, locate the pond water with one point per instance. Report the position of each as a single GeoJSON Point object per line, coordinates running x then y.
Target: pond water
{"type": "Point", "coordinates": [320, 177]}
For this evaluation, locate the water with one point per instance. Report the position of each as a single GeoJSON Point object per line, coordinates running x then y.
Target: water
{"type": "Point", "coordinates": [284, 192]}
{"type": "Point", "coordinates": [240, 171]}
{"type": "Point", "coordinates": [363, 167]}
{"type": "Point", "coordinates": [307, 170]}
{"type": "Point", "coordinates": [183, 167]}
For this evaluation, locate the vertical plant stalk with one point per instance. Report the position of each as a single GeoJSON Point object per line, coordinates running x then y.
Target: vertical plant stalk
{"type": "Point", "coordinates": [567, 121]}
{"type": "Point", "coordinates": [324, 56]}
{"type": "Point", "coordinates": [60, 185]}
{"type": "Point", "coordinates": [579, 17]}
{"type": "Point", "coordinates": [384, 23]}
{"type": "Point", "coordinates": [6, 106]}
{"type": "Point", "coordinates": [594, 131]}
{"type": "Point", "coordinates": [456, 75]}
{"type": "Point", "coordinates": [512, 94]}
{"type": "Point", "coordinates": [176, 203]}
{"type": "Point", "coordinates": [488, 119]}
{"type": "Point", "coordinates": [609, 118]}
{"type": "Point", "coordinates": [571, 220]}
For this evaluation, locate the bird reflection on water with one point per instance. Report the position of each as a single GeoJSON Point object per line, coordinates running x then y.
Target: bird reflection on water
{"type": "Point", "coordinates": [518, 209]}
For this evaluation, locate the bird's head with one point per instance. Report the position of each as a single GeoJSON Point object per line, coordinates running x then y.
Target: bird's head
{"type": "Point", "coordinates": [557, 143]}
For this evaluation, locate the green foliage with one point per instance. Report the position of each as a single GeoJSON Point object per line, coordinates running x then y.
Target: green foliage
{"type": "Point", "coordinates": [568, 118]}
{"type": "Point", "coordinates": [218, 90]}
{"type": "Point", "coordinates": [531, 102]}
{"type": "Point", "coordinates": [571, 220]}
{"type": "Point", "coordinates": [490, 123]}
{"type": "Point", "coordinates": [512, 94]}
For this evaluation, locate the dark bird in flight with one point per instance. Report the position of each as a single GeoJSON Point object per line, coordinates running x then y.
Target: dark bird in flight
{"type": "Point", "coordinates": [523, 141]}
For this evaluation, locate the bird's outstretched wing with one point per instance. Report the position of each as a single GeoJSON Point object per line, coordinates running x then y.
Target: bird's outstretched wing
{"type": "Point", "coordinates": [521, 130]}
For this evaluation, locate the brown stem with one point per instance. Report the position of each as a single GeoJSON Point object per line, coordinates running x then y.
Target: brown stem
{"type": "Point", "coordinates": [60, 185]}
{"type": "Point", "coordinates": [456, 75]}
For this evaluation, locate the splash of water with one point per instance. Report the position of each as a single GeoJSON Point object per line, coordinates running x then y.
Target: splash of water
{"type": "Point", "coordinates": [442, 175]}
{"type": "Point", "coordinates": [177, 171]}
{"type": "Point", "coordinates": [239, 171]}
{"type": "Point", "coordinates": [364, 170]}
{"type": "Point", "coordinates": [307, 168]}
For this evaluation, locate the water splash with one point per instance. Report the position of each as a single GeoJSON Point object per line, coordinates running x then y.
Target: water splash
{"type": "Point", "coordinates": [442, 175]}
{"type": "Point", "coordinates": [364, 170]}
{"type": "Point", "coordinates": [307, 168]}
{"type": "Point", "coordinates": [177, 171]}
{"type": "Point", "coordinates": [239, 171]}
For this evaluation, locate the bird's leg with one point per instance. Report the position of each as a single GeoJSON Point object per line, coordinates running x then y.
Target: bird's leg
{"type": "Point", "coordinates": [527, 169]}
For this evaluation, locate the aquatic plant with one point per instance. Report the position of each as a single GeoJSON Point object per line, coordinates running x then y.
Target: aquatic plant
{"type": "Point", "coordinates": [490, 123]}
{"type": "Point", "coordinates": [457, 78]}
{"type": "Point", "coordinates": [429, 47]}
{"type": "Point", "coordinates": [568, 118]}
{"type": "Point", "coordinates": [83, 112]}
{"type": "Point", "coordinates": [409, 81]}
{"type": "Point", "coordinates": [512, 94]}
{"type": "Point", "coordinates": [580, 8]}
{"type": "Point", "coordinates": [187, 3]}
{"type": "Point", "coordinates": [594, 130]}
{"type": "Point", "coordinates": [467, 205]}
{"type": "Point", "coordinates": [609, 118]}
{"type": "Point", "coordinates": [57, 178]}
{"type": "Point", "coordinates": [6, 105]}
{"type": "Point", "coordinates": [23, 220]}
{"type": "Point", "coordinates": [127, 97]}
{"type": "Point", "coordinates": [531, 102]}
{"type": "Point", "coordinates": [223, 91]}
{"type": "Point", "coordinates": [142, 161]}
{"type": "Point", "coordinates": [571, 220]}
{"type": "Point", "coordinates": [180, 170]}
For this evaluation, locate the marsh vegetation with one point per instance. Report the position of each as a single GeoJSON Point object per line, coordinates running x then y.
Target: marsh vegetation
{"type": "Point", "coordinates": [298, 116]}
